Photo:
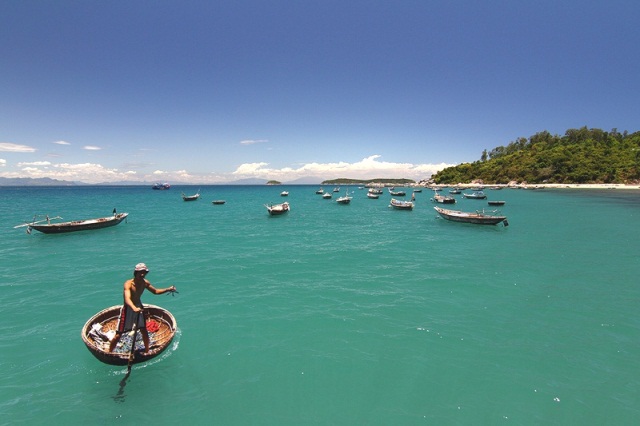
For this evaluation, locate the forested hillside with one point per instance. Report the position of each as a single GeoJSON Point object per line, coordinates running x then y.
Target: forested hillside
{"type": "Point", "coordinates": [580, 156]}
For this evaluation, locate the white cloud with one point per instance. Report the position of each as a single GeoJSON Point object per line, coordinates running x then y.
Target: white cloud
{"type": "Point", "coordinates": [13, 147]}
{"type": "Point", "coordinates": [91, 148]}
{"type": "Point", "coordinates": [35, 163]}
{"type": "Point", "coordinates": [253, 141]}
{"type": "Point", "coordinates": [3, 162]}
{"type": "Point", "coordinates": [85, 172]}
{"type": "Point", "coordinates": [367, 168]}
{"type": "Point", "coordinates": [250, 168]}
{"type": "Point", "coordinates": [62, 143]}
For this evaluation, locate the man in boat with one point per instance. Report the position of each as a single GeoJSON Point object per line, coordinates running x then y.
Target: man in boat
{"type": "Point", "coordinates": [132, 310]}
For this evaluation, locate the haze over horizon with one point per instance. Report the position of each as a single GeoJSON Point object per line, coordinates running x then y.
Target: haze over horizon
{"type": "Point", "coordinates": [218, 92]}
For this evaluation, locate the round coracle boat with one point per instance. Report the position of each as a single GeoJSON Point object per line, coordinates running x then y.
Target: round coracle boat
{"type": "Point", "coordinates": [100, 329]}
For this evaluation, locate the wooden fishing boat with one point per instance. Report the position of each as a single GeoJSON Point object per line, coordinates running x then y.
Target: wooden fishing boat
{"type": "Point", "coordinates": [96, 333]}
{"type": "Point", "coordinates": [277, 209]}
{"type": "Point", "coordinates": [73, 226]}
{"type": "Point", "coordinates": [476, 195]}
{"type": "Point", "coordinates": [443, 199]}
{"type": "Point", "coordinates": [397, 193]}
{"type": "Point", "coordinates": [401, 205]}
{"type": "Point", "coordinates": [373, 195]}
{"type": "Point", "coordinates": [218, 202]}
{"type": "Point", "coordinates": [496, 203]}
{"type": "Point", "coordinates": [344, 199]}
{"type": "Point", "coordinates": [193, 197]}
{"type": "Point", "coordinates": [161, 186]}
{"type": "Point", "coordinates": [479, 217]}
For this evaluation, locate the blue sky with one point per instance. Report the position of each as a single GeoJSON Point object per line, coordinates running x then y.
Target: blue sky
{"type": "Point", "coordinates": [212, 92]}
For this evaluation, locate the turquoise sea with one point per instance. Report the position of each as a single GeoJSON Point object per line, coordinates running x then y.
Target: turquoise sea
{"type": "Point", "coordinates": [330, 315]}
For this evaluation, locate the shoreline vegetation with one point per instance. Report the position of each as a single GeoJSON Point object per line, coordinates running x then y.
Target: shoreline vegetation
{"type": "Point", "coordinates": [581, 156]}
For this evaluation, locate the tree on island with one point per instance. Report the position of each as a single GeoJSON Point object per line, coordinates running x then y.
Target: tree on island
{"type": "Point", "coordinates": [580, 156]}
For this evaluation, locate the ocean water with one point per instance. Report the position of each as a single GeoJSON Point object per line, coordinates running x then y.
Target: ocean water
{"type": "Point", "coordinates": [330, 315]}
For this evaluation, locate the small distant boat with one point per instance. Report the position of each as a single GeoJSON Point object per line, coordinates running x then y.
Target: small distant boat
{"type": "Point", "coordinates": [218, 202]}
{"type": "Point", "coordinates": [397, 193]}
{"type": "Point", "coordinates": [417, 190]}
{"type": "Point", "coordinates": [475, 195]}
{"type": "Point", "coordinates": [193, 197]}
{"type": "Point", "coordinates": [161, 186]}
{"type": "Point", "coordinates": [375, 191]}
{"type": "Point", "coordinates": [327, 195]}
{"type": "Point", "coordinates": [73, 226]}
{"type": "Point", "coordinates": [336, 189]}
{"type": "Point", "coordinates": [401, 205]}
{"type": "Point", "coordinates": [480, 218]}
{"type": "Point", "coordinates": [496, 203]}
{"type": "Point", "coordinates": [277, 209]}
{"type": "Point", "coordinates": [98, 330]}
{"type": "Point", "coordinates": [284, 194]}
{"type": "Point", "coordinates": [320, 191]}
{"type": "Point", "coordinates": [443, 199]}
{"type": "Point", "coordinates": [344, 199]}
{"type": "Point", "coordinates": [454, 191]}
{"type": "Point", "coordinates": [373, 195]}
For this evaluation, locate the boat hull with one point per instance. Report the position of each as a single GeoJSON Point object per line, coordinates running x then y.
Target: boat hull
{"type": "Point", "coordinates": [401, 205]}
{"type": "Point", "coordinates": [108, 320]}
{"type": "Point", "coordinates": [80, 225]}
{"type": "Point", "coordinates": [277, 209]}
{"type": "Point", "coordinates": [475, 218]}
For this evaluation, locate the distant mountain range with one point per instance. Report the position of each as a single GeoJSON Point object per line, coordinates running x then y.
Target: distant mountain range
{"type": "Point", "coordinates": [55, 182]}
{"type": "Point", "coordinates": [36, 182]}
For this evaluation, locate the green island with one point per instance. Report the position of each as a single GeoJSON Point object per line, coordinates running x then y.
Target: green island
{"type": "Point", "coordinates": [273, 182]}
{"type": "Point", "coordinates": [580, 156]}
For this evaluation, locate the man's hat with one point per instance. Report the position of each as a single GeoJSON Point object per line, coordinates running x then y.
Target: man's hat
{"type": "Point", "coordinates": [141, 267]}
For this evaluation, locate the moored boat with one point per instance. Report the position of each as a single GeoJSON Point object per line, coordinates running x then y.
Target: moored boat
{"type": "Point", "coordinates": [496, 203]}
{"type": "Point", "coordinates": [73, 226]}
{"type": "Point", "coordinates": [100, 328]}
{"type": "Point", "coordinates": [284, 194]}
{"type": "Point", "coordinates": [193, 197]}
{"type": "Point", "coordinates": [401, 205]}
{"type": "Point", "coordinates": [277, 209]}
{"type": "Point", "coordinates": [373, 195]}
{"type": "Point", "coordinates": [479, 217]}
{"type": "Point", "coordinates": [344, 199]}
{"type": "Point", "coordinates": [218, 202]}
{"type": "Point", "coordinates": [397, 193]}
{"type": "Point", "coordinates": [475, 195]}
{"type": "Point", "coordinates": [161, 186]}
{"type": "Point", "coordinates": [443, 199]}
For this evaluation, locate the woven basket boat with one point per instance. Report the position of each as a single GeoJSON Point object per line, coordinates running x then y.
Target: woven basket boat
{"type": "Point", "coordinates": [161, 326]}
